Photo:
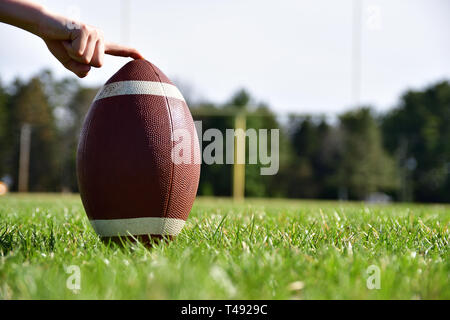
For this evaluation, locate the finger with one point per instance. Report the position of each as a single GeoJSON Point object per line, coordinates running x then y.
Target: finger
{"type": "Point", "coordinates": [79, 40]}
{"type": "Point", "coordinates": [74, 55]}
{"type": "Point", "coordinates": [86, 57]}
{"type": "Point", "coordinates": [80, 69]}
{"type": "Point", "coordinates": [90, 49]}
{"type": "Point", "coordinates": [97, 58]}
{"type": "Point", "coordinates": [122, 51]}
{"type": "Point", "coordinates": [60, 53]}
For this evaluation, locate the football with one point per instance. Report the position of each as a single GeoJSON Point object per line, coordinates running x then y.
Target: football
{"type": "Point", "coordinates": [129, 183]}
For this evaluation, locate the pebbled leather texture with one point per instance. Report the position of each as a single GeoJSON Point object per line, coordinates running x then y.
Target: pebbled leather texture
{"type": "Point", "coordinates": [124, 163]}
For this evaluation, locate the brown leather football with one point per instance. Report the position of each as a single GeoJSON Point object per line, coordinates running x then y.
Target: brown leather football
{"type": "Point", "coordinates": [130, 180]}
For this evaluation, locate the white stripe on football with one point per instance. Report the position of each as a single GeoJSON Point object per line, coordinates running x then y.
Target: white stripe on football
{"type": "Point", "coordinates": [131, 87]}
{"type": "Point", "coordinates": [138, 226]}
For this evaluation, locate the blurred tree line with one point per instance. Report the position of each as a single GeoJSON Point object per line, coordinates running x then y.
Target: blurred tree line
{"type": "Point", "coordinates": [403, 154]}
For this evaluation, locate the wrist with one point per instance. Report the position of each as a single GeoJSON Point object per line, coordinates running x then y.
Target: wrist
{"type": "Point", "coordinates": [50, 25]}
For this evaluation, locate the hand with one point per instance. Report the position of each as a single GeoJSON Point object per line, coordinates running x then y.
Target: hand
{"type": "Point", "coordinates": [79, 46]}
{"type": "Point", "coordinates": [76, 45]}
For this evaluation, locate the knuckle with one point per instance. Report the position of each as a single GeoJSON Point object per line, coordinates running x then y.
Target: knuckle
{"type": "Point", "coordinates": [77, 32]}
{"type": "Point", "coordinates": [94, 33]}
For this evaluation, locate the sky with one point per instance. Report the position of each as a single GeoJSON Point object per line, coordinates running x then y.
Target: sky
{"type": "Point", "coordinates": [294, 55]}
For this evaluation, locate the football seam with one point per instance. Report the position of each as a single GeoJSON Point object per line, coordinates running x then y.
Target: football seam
{"type": "Point", "coordinates": [171, 146]}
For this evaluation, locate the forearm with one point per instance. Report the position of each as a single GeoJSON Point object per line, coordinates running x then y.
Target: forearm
{"type": "Point", "coordinates": [22, 14]}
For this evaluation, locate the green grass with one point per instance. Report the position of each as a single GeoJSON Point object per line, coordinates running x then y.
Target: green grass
{"type": "Point", "coordinates": [259, 249]}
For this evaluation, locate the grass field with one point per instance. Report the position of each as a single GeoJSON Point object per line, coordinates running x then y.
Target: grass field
{"type": "Point", "coordinates": [259, 249]}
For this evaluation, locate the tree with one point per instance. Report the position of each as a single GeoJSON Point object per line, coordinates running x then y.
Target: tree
{"type": "Point", "coordinates": [4, 142]}
{"type": "Point", "coordinates": [315, 160]}
{"type": "Point", "coordinates": [365, 167]}
{"type": "Point", "coordinates": [30, 106]}
{"type": "Point", "coordinates": [417, 132]}
{"type": "Point", "coordinates": [305, 144]}
{"type": "Point", "coordinates": [241, 100]}
{"type": "Point", "coordinates": [256, 184]}
{"type": "Point", "coordinates": [215, 179]}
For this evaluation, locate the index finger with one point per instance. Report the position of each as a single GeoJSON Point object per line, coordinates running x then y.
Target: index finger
{"type": "Point", "coordinates": [122, 51]}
